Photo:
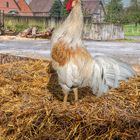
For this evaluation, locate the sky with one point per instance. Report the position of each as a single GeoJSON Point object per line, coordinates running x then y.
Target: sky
{"type": "Point", "coordinates": [126, 2]}
{"type": "Point", "coordinates": [28, 1]}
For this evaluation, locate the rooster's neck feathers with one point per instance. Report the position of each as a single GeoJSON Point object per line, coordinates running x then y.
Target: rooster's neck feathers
{"type": "Point", "coordinates": [70, 31]}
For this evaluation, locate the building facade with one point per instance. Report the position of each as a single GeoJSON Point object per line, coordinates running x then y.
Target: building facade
{"type": "Point", "coordinates": [15, 7]}
{"type": "Point", "coordinates": [9, 6]}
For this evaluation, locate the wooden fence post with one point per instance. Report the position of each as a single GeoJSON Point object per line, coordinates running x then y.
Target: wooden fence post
{"type": "Point", "coordinates": [1, 22]}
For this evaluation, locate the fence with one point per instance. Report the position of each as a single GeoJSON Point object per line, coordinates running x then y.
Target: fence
{"type": "Point", "coordinates": [1, 19]}
{"type": "Point", "coordinates": [44, 22]}
{"type": "Point", "coordinates": [95, 31]}
{"type": "Point", "coordinates": [103, 31]}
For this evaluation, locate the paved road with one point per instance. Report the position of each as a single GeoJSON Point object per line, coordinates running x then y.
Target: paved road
{"type": "Point", "coordinates": [129, 52]}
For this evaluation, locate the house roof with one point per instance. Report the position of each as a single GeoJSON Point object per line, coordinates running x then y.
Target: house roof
{"type": "Point", "coordinates": [27, 1]}
{"type": "Point", "coordinates": [25, 9]}
{"type": "Point", "coordinates": [91, 6]}
{"type": "Point", "coordinates": [41, 5]}
{"type": "Point", "coordinates": [12, 6]}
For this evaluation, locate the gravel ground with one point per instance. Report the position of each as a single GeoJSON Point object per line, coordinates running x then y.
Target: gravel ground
{"type": "Point", "coordinates": [128, 52]}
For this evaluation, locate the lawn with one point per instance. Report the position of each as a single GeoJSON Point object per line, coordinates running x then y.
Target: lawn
{"type": "Point", "coordinates": [132, 30]}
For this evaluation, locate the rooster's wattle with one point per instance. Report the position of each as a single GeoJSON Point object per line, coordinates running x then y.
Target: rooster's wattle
{"type": "Point", "coordinates": [74, 64]}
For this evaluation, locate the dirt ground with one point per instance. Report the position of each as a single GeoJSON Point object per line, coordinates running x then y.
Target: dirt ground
{"type": "Point", "coordinates": [31, 101]}
{"type": "Point", "coordinates": [126, 51]}
{"type": "Point", "coordinates": [31, 107]}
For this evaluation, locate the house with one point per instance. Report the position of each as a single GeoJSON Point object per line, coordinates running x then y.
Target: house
{"type": "Point", "coordinates": [9, 6]}
{"type": "Point", "coordinates": [41, 7]}
{"type": "Point", "coordinates": [91, 8]}
{"type": "Point", "coordinates": [25, 10]}
{"type": "Point", "coordinates": [15, 7]}
{"type": "Point", "coordinates": [94, 9]}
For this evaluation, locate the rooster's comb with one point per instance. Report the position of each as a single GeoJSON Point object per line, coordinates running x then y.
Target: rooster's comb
{"type": "Point", "coordinates": [69, 5]}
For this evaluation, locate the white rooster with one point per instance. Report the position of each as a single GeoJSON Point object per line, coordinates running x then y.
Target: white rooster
{"type": "Point", "coordinates": [74, 64]}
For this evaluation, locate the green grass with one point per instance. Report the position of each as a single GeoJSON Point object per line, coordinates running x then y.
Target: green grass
{"type": "Point", "coordinates": [19, 27]}
{"type": "Point", "coordinates": [132, 30]}
{"type": "Point", "coordinates": [127, 40]}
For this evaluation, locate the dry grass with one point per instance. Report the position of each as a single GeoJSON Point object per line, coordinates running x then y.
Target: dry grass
{"type": "Point", "coordinates": [31, 107]}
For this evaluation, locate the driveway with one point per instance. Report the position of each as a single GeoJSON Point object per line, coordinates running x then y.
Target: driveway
{"type": "Point", "coordinates": [128, 52]}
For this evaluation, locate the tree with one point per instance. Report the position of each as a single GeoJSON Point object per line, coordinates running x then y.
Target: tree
{"type": "Point", "coordinates": [133, 12]}
{"type": "Point", "coordinates": [114, 11]}
{"type": "Point", "coordinates": [56, 9]}
{"type": "Point", "coordinates": [135, 3]}
{"type": "Point", "coordinates": [64, 12]}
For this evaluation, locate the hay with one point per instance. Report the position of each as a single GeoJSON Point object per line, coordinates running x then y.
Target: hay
{"type": "Point", "coordinates": [31, 107]}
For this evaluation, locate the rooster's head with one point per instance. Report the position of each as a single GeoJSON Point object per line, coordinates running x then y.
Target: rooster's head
{"type": "Point", "coordinates": [71, 3]}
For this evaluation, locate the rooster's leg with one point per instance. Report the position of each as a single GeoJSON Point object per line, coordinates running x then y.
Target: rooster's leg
{"type": "Point", "coordinates": [65, 99]}
{"type": "Point", "coordinates": [75, 90]}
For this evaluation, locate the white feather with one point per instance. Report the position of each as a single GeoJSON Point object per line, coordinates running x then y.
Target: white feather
{"type": "Point", "coordinates": [108, 72]}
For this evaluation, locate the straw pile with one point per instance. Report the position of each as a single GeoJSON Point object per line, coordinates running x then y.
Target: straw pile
{"type": "Point", "coordinates": [31, 107]}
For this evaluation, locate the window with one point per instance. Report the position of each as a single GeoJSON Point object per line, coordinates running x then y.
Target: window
{"type": "Point", "coordinates": [7, 4]}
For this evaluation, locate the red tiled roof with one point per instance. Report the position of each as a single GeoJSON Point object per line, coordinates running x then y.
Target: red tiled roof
{"type": "Point", "coordinates": [12, 6]}
{"type": "Point", "coordinates": [25, 9]}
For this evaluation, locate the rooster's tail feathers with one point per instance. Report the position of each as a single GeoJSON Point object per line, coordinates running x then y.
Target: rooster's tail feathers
{"type": "Point", "coordinates": [107, 73]}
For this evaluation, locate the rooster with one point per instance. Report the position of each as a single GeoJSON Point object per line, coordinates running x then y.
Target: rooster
{"type": "Point", "coordinates": [74, 64]}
